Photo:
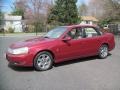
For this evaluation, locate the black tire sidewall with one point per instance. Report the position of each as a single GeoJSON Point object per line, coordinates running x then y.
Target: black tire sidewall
{"type": "Point", "coordinates": [35, 61]}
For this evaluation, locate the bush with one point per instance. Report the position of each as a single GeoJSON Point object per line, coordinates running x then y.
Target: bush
{"type": "Point", "coordinates": [38, 27]}
{"type": "Point", "coordinates": [10, 30]}
{"type": "Point", "coordinates": [2, 30]}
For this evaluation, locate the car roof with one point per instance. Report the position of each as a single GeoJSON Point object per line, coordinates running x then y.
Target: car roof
{"type": "Point", "coordinates": [79, 25]}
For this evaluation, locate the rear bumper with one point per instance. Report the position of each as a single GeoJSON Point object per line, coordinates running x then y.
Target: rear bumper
{"type": "Point", "coordinates": [112, 45]}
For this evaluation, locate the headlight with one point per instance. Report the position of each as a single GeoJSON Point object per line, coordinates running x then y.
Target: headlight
{"type": "Point", "coordinates": [23, 50]}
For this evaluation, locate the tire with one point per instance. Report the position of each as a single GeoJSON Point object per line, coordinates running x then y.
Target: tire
{"type": "Point", "coordinates": [103, 51]}
{"type": "Point", "coordinates": [43, 61]}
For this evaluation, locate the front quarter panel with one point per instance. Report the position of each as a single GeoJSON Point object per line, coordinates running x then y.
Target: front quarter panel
{"type": "Point", "coordinates": [50, 46]}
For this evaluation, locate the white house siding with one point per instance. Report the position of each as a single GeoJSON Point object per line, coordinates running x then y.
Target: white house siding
{"type": "Point", "coordinates": [17, 26]}
{"type": "Point", "coordinates": [14, 22]}
{"type": "Point", "coordinates": [87, 22]}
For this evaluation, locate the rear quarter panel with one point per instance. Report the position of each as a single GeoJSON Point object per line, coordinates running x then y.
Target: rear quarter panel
{"type": "Point", "coordinates": [108, 38]}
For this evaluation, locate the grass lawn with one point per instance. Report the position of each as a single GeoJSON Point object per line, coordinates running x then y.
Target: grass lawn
{"type": "Point", "coordinates": [21, 33]}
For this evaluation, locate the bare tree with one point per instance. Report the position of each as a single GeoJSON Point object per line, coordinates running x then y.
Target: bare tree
{"type": "Point", "coordinates": [38, 11]}
{"type": "Point", "coordinates": [95, 8]}
{"type": "Point", "coordinates": [47, 8]}
{"type": "Point", "coordinates": [112, 9]}
{"type": "Point", "coordinates": [35, 11]}
{"type": "Point", "coordinates": [83, 9]}
{"type": "Point", "coordinates": [21, 4]}
{"type": "Point", "coordinates": [19, 7]}
{"type": "Point", "coordinates": [104, 9]}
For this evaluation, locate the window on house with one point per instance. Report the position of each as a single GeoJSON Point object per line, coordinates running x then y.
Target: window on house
{"type": "Point", "coordinates": [87, 22]}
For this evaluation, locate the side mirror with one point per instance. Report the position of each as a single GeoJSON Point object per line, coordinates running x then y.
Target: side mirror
{"type": "Point", "coordinates": [66, 39]}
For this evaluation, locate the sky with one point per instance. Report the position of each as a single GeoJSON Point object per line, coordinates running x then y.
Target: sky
{"type": "Point", "coordinates": [7, 4]}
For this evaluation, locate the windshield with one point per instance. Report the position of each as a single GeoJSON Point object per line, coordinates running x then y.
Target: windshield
{"type": "Point", "coordinates": [56, 32]}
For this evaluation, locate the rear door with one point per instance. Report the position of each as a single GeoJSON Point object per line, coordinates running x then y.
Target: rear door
{"type": "Point", "coordinates": [91, 40]}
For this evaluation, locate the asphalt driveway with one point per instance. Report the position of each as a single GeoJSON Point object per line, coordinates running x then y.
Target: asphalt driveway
{"type": "Point", "coordinates": [81, 74]}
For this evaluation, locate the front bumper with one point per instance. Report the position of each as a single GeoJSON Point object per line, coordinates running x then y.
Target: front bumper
{"type": "Point", "coordinates": [20, 60]}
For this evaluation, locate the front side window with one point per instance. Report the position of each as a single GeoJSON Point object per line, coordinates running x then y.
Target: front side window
{"type": "Point", "coordinates": [75, 33]}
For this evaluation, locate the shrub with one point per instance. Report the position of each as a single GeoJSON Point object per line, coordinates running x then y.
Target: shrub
{"type": "Point", "coordinates": [10, 30]}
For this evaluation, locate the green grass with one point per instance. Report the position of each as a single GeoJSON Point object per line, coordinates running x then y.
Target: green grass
{"type": "Point", "coordinates": [20, 33]}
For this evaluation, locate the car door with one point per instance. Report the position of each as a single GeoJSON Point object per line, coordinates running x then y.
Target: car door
{"type": "Point", "coordinates": [91, 40]}
{"type": "Point", "coordinates": [73, 48]}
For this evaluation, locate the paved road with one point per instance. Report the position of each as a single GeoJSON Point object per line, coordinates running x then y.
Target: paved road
{"type": "Point", "coordinates": [82, 74]}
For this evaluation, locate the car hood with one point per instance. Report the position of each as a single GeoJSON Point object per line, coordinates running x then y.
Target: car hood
{"type": "Point", "coordinates": [31, 42]}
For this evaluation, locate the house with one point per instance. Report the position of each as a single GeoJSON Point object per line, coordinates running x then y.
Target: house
{"type": "Point", "coordinates": [14, 22]}
{"type": "Point", "coordinates": [88, 20]}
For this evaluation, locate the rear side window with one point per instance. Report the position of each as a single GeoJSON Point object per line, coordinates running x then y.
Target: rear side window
{"type": "Point", "coordinates": [90, 32]}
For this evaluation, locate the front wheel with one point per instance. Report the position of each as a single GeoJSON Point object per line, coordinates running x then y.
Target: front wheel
{"type": "Point", "coordinates": [103, 51]}
{"type": "Point", "coordinates": [43, 61]}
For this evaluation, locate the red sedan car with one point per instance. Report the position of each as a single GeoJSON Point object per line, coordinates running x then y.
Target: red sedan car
{"type": "Point", "coordinates": [61, 44]}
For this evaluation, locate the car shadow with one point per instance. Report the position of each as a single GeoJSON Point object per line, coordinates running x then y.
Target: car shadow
{"type": "Point", "coordinates": [21, 69]}
{"type": "Point", "coordinates": [29, 69]}
{"type": "Point", "coordinates": [78, 60]}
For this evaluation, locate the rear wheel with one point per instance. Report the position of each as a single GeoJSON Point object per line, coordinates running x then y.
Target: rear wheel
{"type": "Point", "coordinates": [103, 51]}
{"type": "Point", "coordinates": [43, 61]}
